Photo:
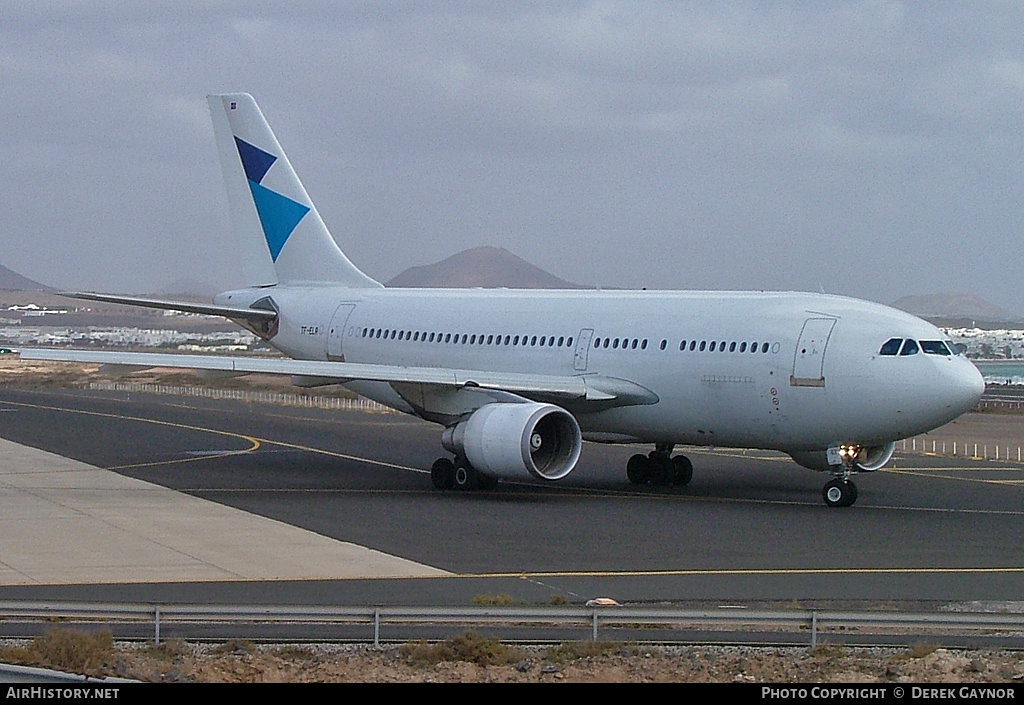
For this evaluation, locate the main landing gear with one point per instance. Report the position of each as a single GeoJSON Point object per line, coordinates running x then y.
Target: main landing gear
{"type": "Point", "coordinates": [660, 467]}
{"type": "Point", "coordinates": [447, 474]}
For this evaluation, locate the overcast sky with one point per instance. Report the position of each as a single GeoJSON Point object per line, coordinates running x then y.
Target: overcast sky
{"type": "Point", "coordinates": [866, 148]}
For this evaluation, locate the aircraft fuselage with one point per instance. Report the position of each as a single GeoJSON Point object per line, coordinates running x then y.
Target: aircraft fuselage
{"type": "Point", "coordinates": [786, 371]}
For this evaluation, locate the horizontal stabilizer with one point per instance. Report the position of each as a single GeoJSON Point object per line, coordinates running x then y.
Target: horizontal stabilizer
{"type": "Point", "coordinates": [254, 315]}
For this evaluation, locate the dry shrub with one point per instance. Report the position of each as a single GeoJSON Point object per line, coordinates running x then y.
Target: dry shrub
{"type": "Point", "coordinates": [470, 647]}
{"type": "Point", "coordinates": [66, 650]}
{"type": "Point", "coordinates": [234, 646]}
{"type": "Point", "coordinates": [173, 650]}
{"type": "Point", "coordinates": [920, 650]}
{"type": "Point", "coordinates": [573, 650]}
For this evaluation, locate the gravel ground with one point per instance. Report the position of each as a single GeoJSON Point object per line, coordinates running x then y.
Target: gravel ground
{"type": "Point", "coordinates": [487, 661]}
{"type": "Point", "coordinates": [245, 663]}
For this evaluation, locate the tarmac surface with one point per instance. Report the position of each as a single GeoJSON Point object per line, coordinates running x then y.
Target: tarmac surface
{"type": "Point", "coordinates": [223, 501]}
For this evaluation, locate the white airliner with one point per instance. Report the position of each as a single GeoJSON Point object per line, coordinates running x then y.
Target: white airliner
{"type": "Point", "coordinates": [518, 379]}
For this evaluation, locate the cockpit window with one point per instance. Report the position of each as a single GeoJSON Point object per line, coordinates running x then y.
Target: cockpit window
{"type": "Point", "coordinates": [909, 347]}
{"type": "Point", "coordinates": [891, 346]}
{"type": "Point", "coordinates": [934, 347]}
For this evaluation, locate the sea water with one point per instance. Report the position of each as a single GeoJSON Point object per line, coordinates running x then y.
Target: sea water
{"type": "Point", "coordinates": [1001, 371]}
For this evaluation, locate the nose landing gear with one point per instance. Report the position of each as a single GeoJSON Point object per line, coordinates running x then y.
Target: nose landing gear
{"type": "Point", "coordinates": [839, 492]}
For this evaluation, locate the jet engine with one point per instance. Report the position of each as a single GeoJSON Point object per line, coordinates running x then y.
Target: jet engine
{"type": "Point", "coordinates": [862, 458]}
{"type": "Point", "coordinates": [517, 441]}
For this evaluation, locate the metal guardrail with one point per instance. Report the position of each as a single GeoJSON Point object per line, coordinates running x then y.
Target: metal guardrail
{"type": "Point", "coordinates": [608, 618]}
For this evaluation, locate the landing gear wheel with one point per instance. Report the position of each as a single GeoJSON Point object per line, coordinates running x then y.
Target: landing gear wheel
{"type": "Point", "coordinates": [466, 477]}
{"type": "Point", "coordinates": [661, 468]}
{"type": "Point", "coordinates": [638, 469]}
{"type": "Point", "coordinates": [442, 474]}
{"type": "Point", "coordinates": [682, 470]}
{"type": "Point", "coordinates": [839, 493]}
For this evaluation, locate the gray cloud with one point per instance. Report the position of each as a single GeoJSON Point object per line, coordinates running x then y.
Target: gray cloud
{"type": "Point", "coordinates": [867, 148]}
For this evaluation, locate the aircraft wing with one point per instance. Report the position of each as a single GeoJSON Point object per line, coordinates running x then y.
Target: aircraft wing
{"type": "Point", "coordinates": [608, 391]}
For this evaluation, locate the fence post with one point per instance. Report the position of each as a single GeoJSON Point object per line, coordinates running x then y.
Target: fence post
{"type": "Point", "coordinates": [595, 624]}
{"type": "Point", "coordinates": [376, 628]}
{"type": "Point", "coordinates": [156, 625]}
{"type": "Point", "coordinates": [814, 629]}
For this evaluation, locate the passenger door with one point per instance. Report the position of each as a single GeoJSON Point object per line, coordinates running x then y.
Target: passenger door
{"type": "Point", "coordinates": [809, 357]}
{"type": "Point", "coordinates": [336, 332]}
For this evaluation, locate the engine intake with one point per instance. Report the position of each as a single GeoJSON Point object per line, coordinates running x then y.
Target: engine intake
{"type": "Point", "coordinates": [518, 441]}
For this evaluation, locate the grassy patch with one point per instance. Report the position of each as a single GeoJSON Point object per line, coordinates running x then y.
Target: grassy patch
{"type": "Point", "coordinates": [492, 600]}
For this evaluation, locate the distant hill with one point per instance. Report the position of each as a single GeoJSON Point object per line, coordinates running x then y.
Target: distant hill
{"type": "Point", "coordinates": [13, 281]}
{"type": "Point", "coordinates": [958, 308]}
{"type": "Point", "coordinates": [485, 267]}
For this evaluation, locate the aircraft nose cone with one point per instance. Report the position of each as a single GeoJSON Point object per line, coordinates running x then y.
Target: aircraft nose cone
{"type": "Point", "coordinates": [967, 387]}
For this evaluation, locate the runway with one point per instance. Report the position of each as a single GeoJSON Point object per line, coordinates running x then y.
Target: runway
{"type": "Point", "coordinates": [750, 529]}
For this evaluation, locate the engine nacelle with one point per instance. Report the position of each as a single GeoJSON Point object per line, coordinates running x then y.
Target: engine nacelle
{"type": "Point", "coordinates": [865, 458]}
{"type": "Point", "coordinates": [518, 441]}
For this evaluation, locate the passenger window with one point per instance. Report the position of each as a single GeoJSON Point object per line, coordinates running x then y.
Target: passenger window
{"type": "Point", "coordinates": [732, 346]}
{"type": "Point", "coordinates": [743, 347]}
{"type": "Point", "coordinates": [891, 346]}
{"type": "Point", "coordinates": [682, 345]}
{"type": "Point", "coordinates": [711, 348]}
{"type": "Point", "coordinates": [569, 342]}
{"type": "Point", "coordinates": [934, 347]}
{"type": "Point", "coordinates": [693, 344]}
{"type": "Point", "coordinates": [909, 348]}
{"type": "Point", "coordinates": [703, 345]}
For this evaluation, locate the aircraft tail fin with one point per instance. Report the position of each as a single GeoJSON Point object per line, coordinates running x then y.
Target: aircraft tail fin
{"type": "Point", "coordinates": [278, 230]}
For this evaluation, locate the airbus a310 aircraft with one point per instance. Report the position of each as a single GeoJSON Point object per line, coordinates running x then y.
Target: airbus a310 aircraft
{"type": "Point", "coordinates": [518, 379]}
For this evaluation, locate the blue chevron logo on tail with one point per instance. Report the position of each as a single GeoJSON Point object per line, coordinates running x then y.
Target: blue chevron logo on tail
{"type": "Point", "coordinates": [279, 215]}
